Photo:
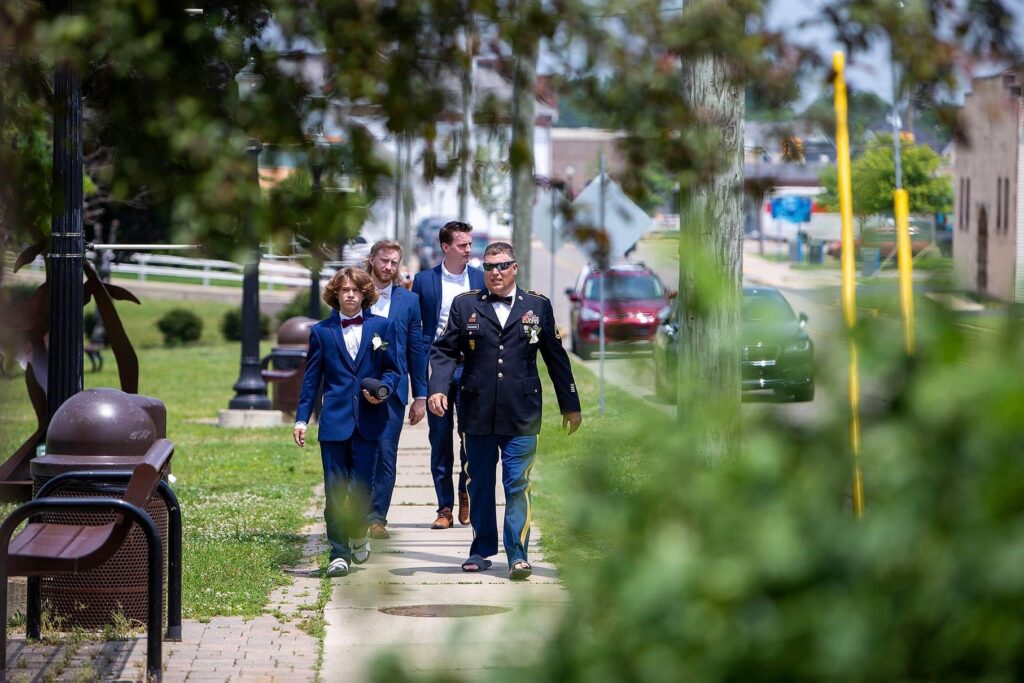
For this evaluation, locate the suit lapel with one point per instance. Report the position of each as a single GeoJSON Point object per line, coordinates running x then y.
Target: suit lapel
{"type": "Point", "coordinates": [339, 339]}
{"type": "Point", "coordinates": [435, 280]}
{"type": "Point", "coordinates": [398, 300]}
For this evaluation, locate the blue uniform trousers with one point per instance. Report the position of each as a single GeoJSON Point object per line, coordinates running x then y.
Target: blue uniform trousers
{"type": "Point", "coordinates": [348, 473]}
{"type": "Point", "coordinates": [387, 464]}
{"type": "Point", "coordinates": [517, 456]}
{"type": "Point", "coordinates": [442, 448]}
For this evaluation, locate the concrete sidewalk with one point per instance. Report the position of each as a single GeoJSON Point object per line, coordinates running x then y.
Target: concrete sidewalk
{"type": "Point", "coordinates": [413, 599]}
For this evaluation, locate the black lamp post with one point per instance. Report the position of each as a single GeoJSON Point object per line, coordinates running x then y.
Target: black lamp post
{"type": "Point", "coordinates": [67, 250]}
{"type": "Point", "coordinates": [250, 389]}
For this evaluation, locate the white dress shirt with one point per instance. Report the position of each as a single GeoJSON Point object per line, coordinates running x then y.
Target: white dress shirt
{"type": "Point", "coordinates": [502, 309]}
{"type": "Point", "coordinates": [353, 335]}
{"type": "Point", "coordinates": [383, 305]}
{"type": "Point", "coordinates": [451, 287]}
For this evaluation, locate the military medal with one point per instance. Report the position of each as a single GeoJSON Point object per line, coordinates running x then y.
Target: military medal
{"type": "Point", "coordinates": [472, 344]}
{"type": "Point", "coordinates": [531, 326]}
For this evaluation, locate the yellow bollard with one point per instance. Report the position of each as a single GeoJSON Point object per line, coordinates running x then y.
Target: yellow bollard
{"type": "Point", "coordinates": [849, 292]}
{"type": "Point", "coordinates": [905, 261]}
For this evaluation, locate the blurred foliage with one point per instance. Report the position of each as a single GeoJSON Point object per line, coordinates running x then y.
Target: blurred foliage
{"type": "Point", "coordinates": [873, 177]}
{"type": "Point", "coordinates": [324, 215]}
{"type": "Point", "coordinates": [757, 570]}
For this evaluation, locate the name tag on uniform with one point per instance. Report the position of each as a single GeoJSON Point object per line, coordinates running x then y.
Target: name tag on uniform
{"type": "Point", "coordinates": [472, 326]}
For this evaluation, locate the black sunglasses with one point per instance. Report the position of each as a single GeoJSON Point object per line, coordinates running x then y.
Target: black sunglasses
{"type": "Point", "coordinates": [503, 266]}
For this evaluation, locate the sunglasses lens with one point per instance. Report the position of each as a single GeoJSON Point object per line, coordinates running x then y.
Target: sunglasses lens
{"type": "Point", "coordinates": [503, 266]}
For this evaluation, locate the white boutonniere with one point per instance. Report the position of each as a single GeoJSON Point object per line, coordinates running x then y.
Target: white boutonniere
{"type": "Point", "coordinates": [378, 343]}
{"type": "Point", "coordinates": [534, 334]}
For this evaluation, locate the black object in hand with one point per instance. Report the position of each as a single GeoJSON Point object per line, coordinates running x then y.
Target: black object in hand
{"type": "Point", "coordinates": [376, 388]}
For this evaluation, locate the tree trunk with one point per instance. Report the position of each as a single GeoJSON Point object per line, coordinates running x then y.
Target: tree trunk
{"type": "Point", "coordinates": [711, 265]}
{"type": "Point", "coordinates": [521, 156]}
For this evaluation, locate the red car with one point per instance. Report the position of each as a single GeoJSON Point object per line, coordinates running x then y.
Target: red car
{"type": "Point", "coordinates": [635, 304]}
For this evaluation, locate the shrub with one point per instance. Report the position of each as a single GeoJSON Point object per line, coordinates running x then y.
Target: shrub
{"type": "Point", "coordinates": [180, 326]}
{"type": "Point", "coordinates": [231, 325]}
{"type": "Point", "coordinates": [299, 305]}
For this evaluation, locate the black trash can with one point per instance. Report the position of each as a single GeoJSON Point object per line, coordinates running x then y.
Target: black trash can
{"type": "Point", "coordinates": [284, 367]}
{"type": "Point", "coordinates": [816, 253]}
{"type": "Point", "coordinates": [102, 429]}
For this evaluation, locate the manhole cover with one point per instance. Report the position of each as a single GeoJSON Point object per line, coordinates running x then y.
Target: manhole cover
{"type": "Point", "coordinates": [444, 610]}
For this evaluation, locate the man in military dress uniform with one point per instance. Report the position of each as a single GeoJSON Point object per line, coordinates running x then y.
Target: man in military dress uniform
{"type": "Point", "coordinates": [499, 330]}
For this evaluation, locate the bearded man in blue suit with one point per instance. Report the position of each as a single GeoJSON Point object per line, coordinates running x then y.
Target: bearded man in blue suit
{"type": "Point", "coordinates": [437, 288]}
{"type": "Point", "coordinates": [348, 347]}
{"type": "Point", "coordinates": [402, 308]}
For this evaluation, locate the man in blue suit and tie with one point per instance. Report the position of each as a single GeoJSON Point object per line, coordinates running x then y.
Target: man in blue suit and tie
{"type": "Point", "coordinates": [402, 308]}
{"type": "Point", "coordinates": [437, 288]}
{"type": "Point", "coordinates": [348, 347]}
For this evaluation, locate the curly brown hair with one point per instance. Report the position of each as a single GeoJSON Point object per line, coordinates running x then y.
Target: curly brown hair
{"type": "Point", "coordinates": [360, 278]}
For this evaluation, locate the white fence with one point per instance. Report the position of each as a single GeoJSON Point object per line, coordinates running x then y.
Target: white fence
{"type": "Point", "coordinates": [207, 271]}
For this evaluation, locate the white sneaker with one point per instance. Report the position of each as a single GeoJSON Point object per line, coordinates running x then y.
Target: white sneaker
{"type": "Point", "coordinates": [337, 567]}
{"type": "Point", "coordinates": [360, 549]}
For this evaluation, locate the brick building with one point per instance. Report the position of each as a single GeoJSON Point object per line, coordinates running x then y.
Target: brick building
{"type": "Point", "coordinates": [989, 188]}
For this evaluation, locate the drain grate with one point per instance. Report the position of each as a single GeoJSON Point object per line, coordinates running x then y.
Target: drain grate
{"type": "Point", "coordinates": [448, 611]}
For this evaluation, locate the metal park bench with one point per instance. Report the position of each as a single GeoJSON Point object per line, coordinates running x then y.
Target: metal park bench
{"type": "Point", "coordinates": [46, 549]}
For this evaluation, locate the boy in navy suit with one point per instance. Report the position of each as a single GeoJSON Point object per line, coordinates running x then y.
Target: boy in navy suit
{"type": "Point", "coordinates": [437, 288]}
{"type": "Point", "coordinates": [402, 308]}
{"type": "Point", "coordinates": [348, 347]}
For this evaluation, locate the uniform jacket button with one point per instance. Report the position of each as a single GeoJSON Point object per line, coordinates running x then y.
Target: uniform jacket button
{"type": "Point", "coordinates": [500, 375]}
{"type": "Point", "coordinates": [500, 361]}
{"type": "Point", "coordinates": [501, 347]}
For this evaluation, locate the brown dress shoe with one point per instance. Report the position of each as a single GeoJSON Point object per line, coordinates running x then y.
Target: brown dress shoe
{"type": "Point", "coordinates": [444, 519]}
{"type": "Point", "coordinates": [463, 508]}
{"type": "Point", "coordinates": [378, 530]}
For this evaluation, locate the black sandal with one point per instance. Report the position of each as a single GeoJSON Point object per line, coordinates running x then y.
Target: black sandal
{"type": "Point", "coordinates": [477, 563]}
{"type": "Point", "coordinates": [520, 570]}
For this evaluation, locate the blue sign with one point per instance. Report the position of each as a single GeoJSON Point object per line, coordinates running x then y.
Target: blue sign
{"type": "Point", "coordinates": [792, 208]}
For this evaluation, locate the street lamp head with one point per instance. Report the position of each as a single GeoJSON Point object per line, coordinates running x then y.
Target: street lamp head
{"type": "Point", "coordinates": [248, 80]}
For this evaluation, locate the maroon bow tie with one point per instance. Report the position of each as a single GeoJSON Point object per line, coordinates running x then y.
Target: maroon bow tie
{"type": "Point", "coordinates": [358, 320]}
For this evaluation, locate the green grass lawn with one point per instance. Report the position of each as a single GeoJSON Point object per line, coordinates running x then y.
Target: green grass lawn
{"type": "Point", "coordinates": [243, 494]}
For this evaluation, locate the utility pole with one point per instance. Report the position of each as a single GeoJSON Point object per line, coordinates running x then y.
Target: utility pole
{"type": "Point", "coordinates": [521, 154]}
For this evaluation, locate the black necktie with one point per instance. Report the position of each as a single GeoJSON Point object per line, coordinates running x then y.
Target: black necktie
{"type": "Point", "coordinates": [358, 320]}
{"type": "Point", "coordinates": [494, 298]}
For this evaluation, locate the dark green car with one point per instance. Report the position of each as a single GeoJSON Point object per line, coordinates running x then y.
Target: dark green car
{"type": "Point", "coordinates": [776, 354]}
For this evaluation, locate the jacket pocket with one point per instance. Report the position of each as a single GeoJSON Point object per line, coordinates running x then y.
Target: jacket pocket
{"type": "Point", "coordinates": [531, 386]}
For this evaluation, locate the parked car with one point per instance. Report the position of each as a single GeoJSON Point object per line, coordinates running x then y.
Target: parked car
{"type": "Point", "coordinates": [634, 300]}
{"type": "Point", "coordinates": [776, 352]}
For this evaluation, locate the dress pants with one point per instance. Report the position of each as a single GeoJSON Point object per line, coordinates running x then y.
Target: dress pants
{"type": "Point", "coordinates": [387, 464]}
{"type": "Point", "coordinates": [442, 448]}
{"type": "Point", "coordinates": [348, 473]}
{"type": "Point", "coordinates": [517, 457]}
